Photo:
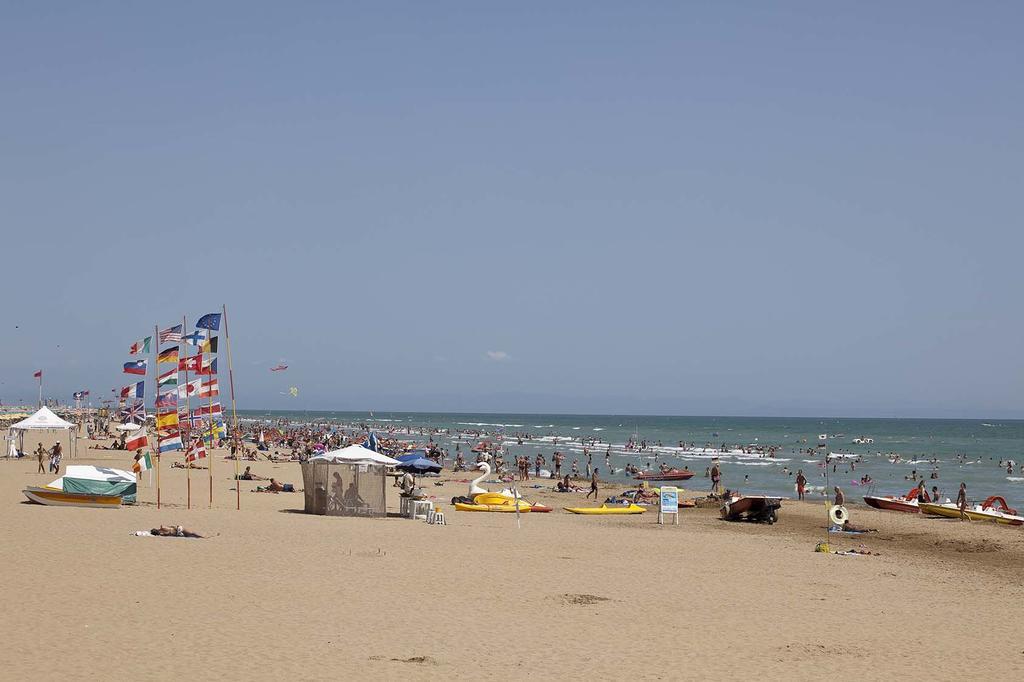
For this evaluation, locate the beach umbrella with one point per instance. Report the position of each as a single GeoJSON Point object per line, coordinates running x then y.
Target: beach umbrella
{"type": "Point", "coordinates": [419, 465]}
{"type": "Point", "coordinates": [128, 426]}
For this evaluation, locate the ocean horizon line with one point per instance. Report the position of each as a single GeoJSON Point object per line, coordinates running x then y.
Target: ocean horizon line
{"type": "Point", "coordinates": [632, 415]}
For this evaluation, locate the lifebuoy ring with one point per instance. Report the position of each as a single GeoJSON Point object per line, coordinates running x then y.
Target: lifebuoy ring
{"type": "Point", "coordinates": [838, 515]}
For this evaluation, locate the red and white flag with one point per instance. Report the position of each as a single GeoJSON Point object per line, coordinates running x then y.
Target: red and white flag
{"type": "Point", "coordinates": [209, 389]}
{"type": "Point", "coordinates": [207, 409]}
{"type": "Point", "coordinates": [137, 440]}
{"type": "Point", "coordinates": [195, 451]}
{"type": "Point", "coordinates": [38, 374]}
{"type": "Point", "coordinates": [190, 388]}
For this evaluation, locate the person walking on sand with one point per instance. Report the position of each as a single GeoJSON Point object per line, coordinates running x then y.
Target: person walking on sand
{"type": "Point", "coordinates": [40, 453]}
{"type": "Point", "coordinates": [840, 497]}
{"type": "Point", "coordinates": [593, 485]}
{"type": "Point", "coordinates": [56, 457]}
{"type": "Point", "coordinates": [801, 484]}
{"type": "Point", "coordinates": [961, 501]}
{"type": "Point", "coordinates": [716, 477]}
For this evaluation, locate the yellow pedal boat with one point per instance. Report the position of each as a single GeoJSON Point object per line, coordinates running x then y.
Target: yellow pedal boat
{"type": "Point", "coordinates": [975, 512]}
{"type": "Point", "coordinates": [524, 507]}
{"type": "Point", "coordinates": [605, 509]}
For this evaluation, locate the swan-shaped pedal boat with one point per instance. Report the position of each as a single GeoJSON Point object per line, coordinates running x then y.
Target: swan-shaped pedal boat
{"type": "Point", "coordinates": [486, 501]}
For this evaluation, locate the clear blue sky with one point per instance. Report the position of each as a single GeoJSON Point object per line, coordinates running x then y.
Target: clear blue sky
{"type": "Point", "coordinates": [716, 208]}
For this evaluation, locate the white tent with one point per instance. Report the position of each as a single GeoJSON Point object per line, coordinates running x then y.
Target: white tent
{"type": "Point", "coordinates": [354, 454]}
{"type": "Point", "coordinates": [44, 420]}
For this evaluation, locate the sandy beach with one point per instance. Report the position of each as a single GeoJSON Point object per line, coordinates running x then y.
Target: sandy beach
{"type": "Point", "coordinates": [277, 592]}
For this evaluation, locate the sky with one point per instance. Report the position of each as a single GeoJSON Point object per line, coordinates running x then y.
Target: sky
{"type": "Point", "coordinates": [595, 207]}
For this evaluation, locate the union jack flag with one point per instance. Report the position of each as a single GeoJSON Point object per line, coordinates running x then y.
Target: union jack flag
{"type": "Point", "coordinates": [136, 412]}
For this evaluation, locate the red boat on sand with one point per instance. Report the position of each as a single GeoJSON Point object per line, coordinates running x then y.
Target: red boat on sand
{"type": "Point", "coordinates": [892, 504]}
{"type": "Point", "coordinates": [907, 503]}
{"type": "Point", "coordinates": [668, 475]}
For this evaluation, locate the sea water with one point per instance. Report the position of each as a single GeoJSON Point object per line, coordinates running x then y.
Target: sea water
{"type": "Point", "coordinates": [966, 450]}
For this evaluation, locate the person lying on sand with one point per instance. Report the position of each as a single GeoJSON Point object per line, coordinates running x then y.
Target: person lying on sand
{"type": "Point", "coordinates": [643, 493]}
{"type": "Point", "coordinates": [191, 465]}
{"type": "Point", "coordinates": [174, 531]}
{"type": "Point", "coordinates": [849, 527]}
{"type": "Point", "coordinates": [276, 487]}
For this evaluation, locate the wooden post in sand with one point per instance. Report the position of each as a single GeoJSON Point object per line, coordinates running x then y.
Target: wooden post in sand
{"type": "Point", "coordinates": [188, 422]}
{"type": "Point", "coordinates": [156, 394]}
{"type": "Point", "coordinates": [234, 413]}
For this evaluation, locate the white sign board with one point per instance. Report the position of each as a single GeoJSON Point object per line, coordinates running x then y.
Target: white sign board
{"type": "Point", "coordinates": [669, 503]}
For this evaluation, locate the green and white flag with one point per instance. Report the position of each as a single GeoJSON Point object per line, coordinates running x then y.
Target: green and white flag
{"type": "Point", "coordinates": [142, 464]}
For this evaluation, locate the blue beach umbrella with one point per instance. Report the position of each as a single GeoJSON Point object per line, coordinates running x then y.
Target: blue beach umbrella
{"type": "Point", "coordinates": [419, 465]}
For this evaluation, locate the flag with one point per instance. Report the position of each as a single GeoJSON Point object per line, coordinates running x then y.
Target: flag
{"type": "Point", "coordinates": [170, 444]}
{"type": "Point", "coordinates": [207, 409]}
{"type": "Point", "coordinates": [208, 346]}
{"type": "Point", "coordinates": [169, 419]}
{"type": "Point", "coordinates": [169, 355]}
{"type": "Point", "coordinates": [217, 430]}
{"type": "Point", "coordinates": [169, 399]}
{"type": "Point", "coordinates": [208, 367]}
{"type": "Point", "coordinates": [191, 364]}
{"type": "Point", "coordinates": [209, 389]}
{"type": "Point", "coordinates": [189, 388]}
{"type": "Point", "coordinates": [39, 374]}
{"type": "Point", "coordinates": [140, 346]}
{"type": "Point", "coordinates": [195, 451]}
{"type": "Point", "coordinates": [194, 420]}
{"type": "Point", "coordinates": [167, 432]}
{"type": "Point", "coordinates": [209, 321]}
{"type": "Point", "coordinates": [171, 334]}
{"type": "Point", "coordinates": [196, 338]}
{"type": "Point", "coordinates": [168, 378]}
{"type": "Point", "coordinates": [136, 412]}
{"type": "Point", "coordinates": [142, 463]}
{"type": "Point", "coordinates": [84, 393]}
{"type": "Point", "coordinates": [371, 442]}
{"type": "Point", "coordinates": [134, 367]}
{"type": "Point", "coordinates": [136, 440]}
{"type": "Point", "coordinates": [133, 390]}
{"type": "Point", "coordinates": [77, 395]}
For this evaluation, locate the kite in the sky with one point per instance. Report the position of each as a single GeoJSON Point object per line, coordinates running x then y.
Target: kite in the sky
{"type": "Point", "coordinates": [278, 368]}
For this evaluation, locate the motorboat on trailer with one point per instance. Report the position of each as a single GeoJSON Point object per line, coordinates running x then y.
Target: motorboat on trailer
{"type": "Point", "coordinates": [757, 508]}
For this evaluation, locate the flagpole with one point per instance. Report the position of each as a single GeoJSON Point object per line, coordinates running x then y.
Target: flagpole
{"type": "Point", "coordinates": [188, 422]}
{"type": "Point", "coordinates": [234, 413]}
{"type": "Point", "coordinates": [40, 389]}
{"type": "Point", "coordinates": [210, 456]}
{"type": "Point", "coordinates": [156, 393]}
